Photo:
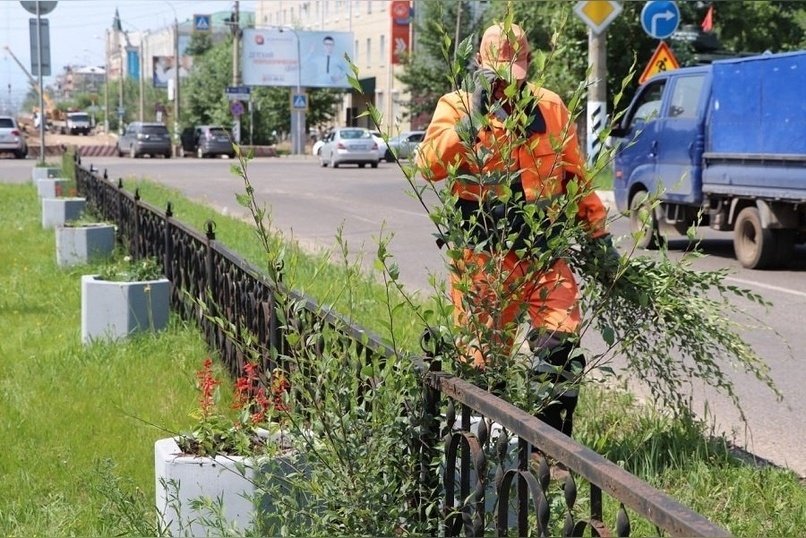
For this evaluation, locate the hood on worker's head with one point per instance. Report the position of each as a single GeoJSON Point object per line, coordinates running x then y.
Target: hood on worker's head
{"type": "Point", "coordinates": [505, 50]}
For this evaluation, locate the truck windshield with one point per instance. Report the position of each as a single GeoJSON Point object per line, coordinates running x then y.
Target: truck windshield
{"type": "Point", "coordinates": [79, 117]}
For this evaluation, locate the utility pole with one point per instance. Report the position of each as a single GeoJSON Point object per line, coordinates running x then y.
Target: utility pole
{"type": "Point", "coordinates": [42, 115]}
{"type": "Point", "coordinates": [597, 92]}
{"type": "Point", "coordinates": [236, 64]}
{"type": "Point", "coordinates": [176, 88]}
{"type": "Point", "coordinates": [142, 80]}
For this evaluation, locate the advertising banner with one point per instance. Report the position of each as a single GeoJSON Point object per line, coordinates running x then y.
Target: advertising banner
{"type": "Point", "coordinates": [275, 57]}
{"type": "Point", "coordinates": [400, 12]}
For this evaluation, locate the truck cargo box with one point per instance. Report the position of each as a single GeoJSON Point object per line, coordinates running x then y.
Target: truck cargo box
{"type": "Point", "coordinates": [757, 105]}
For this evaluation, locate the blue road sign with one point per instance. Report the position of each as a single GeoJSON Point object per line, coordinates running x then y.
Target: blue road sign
{"type": "Point", "coordinates": [236, 107]}
{"type": "Point", "coordinates": [299, 101]}
{"type": "Point", "coordinates": [201, 23]}
{"type": "Point", "coordinates": [660, 18]}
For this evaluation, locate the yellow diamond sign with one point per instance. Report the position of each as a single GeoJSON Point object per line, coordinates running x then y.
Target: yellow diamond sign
{"type": "Point", "coordinates": [597, 14]}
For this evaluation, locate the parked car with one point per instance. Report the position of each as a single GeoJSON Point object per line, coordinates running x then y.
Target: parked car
{"type": "Point", "coordinates": [142, 138]}
{"type": "Point", "coordinates": [404, 144]}
{"type": "Point", "coordinates": [349, 145]}
{"type": "Point", "coordinates": [207, 141]}
{"type": "Point", "coordinates": [11, 138]}
{"type": "Point", "coordinates": [382, 147]}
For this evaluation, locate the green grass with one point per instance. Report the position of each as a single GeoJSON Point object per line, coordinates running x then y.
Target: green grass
{"type": "Point", "coordinates": [77, 458]}
{"type": "Point", "coordinates": [68, 408]}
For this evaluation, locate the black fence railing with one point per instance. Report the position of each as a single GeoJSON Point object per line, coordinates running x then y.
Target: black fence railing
{"type": "Point", "coordinates": [489, 480]}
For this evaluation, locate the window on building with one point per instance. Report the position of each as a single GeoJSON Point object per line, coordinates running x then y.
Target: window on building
{"type": "Point", "coordinates": [382, 49]}
{"type": "Point", "coordinates": [369, 51]}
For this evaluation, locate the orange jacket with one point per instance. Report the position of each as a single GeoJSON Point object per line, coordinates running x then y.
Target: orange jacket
{"type": "Point", "coordinates": [544, 170]}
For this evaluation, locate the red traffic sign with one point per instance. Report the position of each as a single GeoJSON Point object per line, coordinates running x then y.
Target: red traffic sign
{"type": "Point", "coordinates": [663, 59]}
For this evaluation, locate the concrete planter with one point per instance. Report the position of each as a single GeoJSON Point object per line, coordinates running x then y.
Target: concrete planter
{"type": "Point", "coordinates": [45, 172]}
{"type": "Point", "coordinates": [234, 481]}
{"type": "Point", "coordinates": [51, 187]}
{"type": "Point", "coordinates": [111, 310]}
{"type": "Point", "coordinates": [59, 211]}
{"type": "Point", "coordinates": [82, 244]}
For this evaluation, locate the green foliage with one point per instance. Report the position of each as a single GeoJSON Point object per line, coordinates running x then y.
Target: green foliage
{"type": "Point", "coordinates": [126, 269]}
{"type": "Point", "coordinates": [424, 73]}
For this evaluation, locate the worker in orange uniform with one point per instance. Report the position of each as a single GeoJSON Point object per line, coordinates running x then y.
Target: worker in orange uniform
{"type": "Point", "coordinates": [500, 165]}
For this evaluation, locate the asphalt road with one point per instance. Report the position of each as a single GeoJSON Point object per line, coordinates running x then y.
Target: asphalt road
{"type": "Point", "coordinates": [309, 203]}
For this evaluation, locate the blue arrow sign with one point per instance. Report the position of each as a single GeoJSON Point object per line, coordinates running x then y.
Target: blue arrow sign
{"type": "Point", "coordinates": [660, 18]}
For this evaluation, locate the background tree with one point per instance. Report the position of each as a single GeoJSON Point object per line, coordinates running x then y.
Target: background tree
{"type": "Point", "coordinates": [741, 28]}
{"type": "Point", "coordinates": [424, 71]}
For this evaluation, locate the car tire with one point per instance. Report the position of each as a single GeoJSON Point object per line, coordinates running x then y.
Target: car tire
{"type": "Point", "coordinates": [361, 165]}
{"type": "Point", "coordinates": [754, 246]}
{"type": "Point", "coordinates": [120, 152]}
{"type": "Point", "coordinates": [645, 226]}
{"type": "Point", "coordinates": [167, 155]}
{"type": "Point", "coordinates": [374, 164]}
{"type": "Point", "coordinates": [333, 161]}
{"type": "Point", "coordinates": [19, 154]}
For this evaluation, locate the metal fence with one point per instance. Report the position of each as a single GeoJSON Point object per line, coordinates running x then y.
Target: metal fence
{"type": "Point", "coordinates": [476, 450]}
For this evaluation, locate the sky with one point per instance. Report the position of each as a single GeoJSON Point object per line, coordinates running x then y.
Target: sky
{"type": "Point", "coordinates": [78, 29]}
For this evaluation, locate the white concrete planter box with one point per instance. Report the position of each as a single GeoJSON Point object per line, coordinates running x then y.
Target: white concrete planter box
{"type": "Point", "coordinates": [58, 211]}
{"type": "Point", "coordinates": [82, 244]}
{"type": "Point", "coordinates": [45, 172]}
{"type": "Point", "coordinates": [51, 187]}
{"type": "Point", "coordinates": [111, 310]}
{"type": "Point", "coordinates": [181, 479]}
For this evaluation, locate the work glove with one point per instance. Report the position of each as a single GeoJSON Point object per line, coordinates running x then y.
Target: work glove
{"type": "Point", "coordinates": [615, 276]}
{"type": "Point", "coordinates": [605, 259]}
{"type": "Point", "coordinates": [481, 83]}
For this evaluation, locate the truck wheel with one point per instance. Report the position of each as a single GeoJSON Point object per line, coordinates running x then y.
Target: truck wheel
{"type": "Point", "coordinates": [755, 246]}
{"type": "Point", "coordinates": [642, 219]}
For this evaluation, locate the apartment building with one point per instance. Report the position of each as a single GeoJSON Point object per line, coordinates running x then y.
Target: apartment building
{"type": "Point", "coordinates": [373, 24]}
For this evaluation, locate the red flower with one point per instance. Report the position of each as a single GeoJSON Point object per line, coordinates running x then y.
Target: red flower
{"type": "Point", "coordinates": [207, 385]}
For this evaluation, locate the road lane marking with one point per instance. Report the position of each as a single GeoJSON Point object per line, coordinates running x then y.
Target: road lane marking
{"type": "Point", "coordinates": [766, 286]}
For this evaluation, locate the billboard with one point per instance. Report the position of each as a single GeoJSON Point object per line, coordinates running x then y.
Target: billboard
{"type": "Point", "coordinates": [275, 57]}
{"type": "Point", "coordinates": [400, 13]}
{"type": "Point", "coordinates": [163, 66]}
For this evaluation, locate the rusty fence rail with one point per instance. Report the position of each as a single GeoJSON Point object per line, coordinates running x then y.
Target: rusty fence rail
{"type": "Point", "coordinates": [477, 452]}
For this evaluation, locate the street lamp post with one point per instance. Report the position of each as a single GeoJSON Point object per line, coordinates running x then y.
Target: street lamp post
{"type": "Point", "coordinates": [297, 116]}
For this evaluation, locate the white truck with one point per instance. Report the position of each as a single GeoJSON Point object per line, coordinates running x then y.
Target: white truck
{"type": "Point", "coordinates": [73, 123]}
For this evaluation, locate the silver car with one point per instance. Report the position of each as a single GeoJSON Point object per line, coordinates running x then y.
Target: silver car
{"type": "Point", "coordinates": [11, 138]}
{"type": "Point", "coordinates": [349, 145]}
{"type": "Point", "coordinates": [404, 145]}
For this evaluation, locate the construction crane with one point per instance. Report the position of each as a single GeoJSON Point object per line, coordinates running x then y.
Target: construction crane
{"type": "Point", "coordinates": [51, 112]}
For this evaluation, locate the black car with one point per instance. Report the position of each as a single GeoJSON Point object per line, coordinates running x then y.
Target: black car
{"type": "Point", "coordinates": [142, 138]}
{"type": "Point", "coordinates": [207, 141]}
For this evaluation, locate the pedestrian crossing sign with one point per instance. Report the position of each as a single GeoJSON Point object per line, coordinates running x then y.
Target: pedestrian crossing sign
{"type": "Point", "coordinates": [299, 101]}
{"type": "Point", "coordinates": [201, 23]}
